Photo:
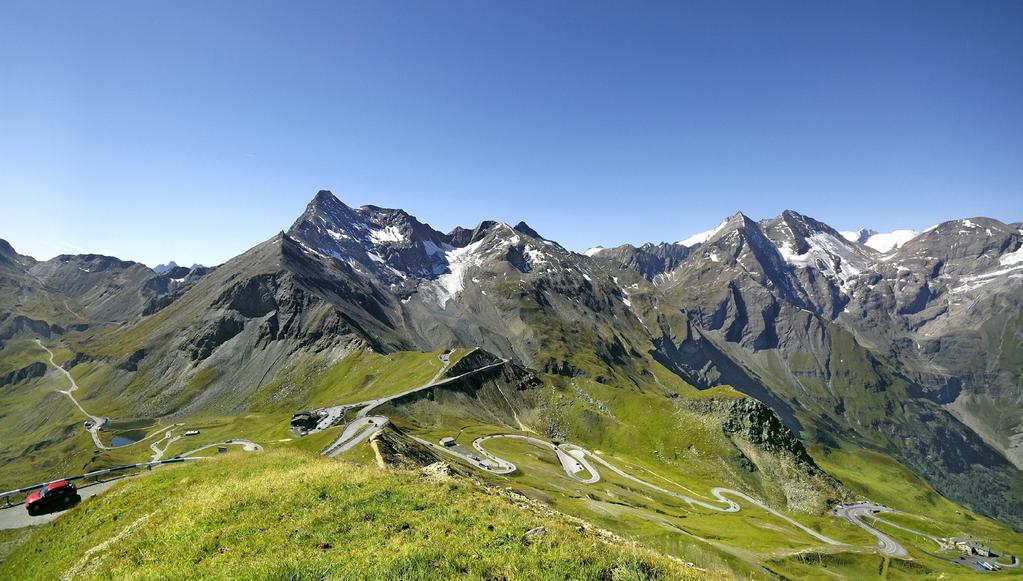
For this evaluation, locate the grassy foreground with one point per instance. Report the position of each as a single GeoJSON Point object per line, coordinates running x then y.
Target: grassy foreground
{"type": "Point", "coordinates": [287, 514]}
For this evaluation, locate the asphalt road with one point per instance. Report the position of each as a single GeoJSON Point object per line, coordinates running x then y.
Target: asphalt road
{"type": "Point", "coordinates": [364, 425]}
{"type": "Point", "coordinates": [247, 445]}
{"type": "Point", "coordinates": [578, 464]}
{"type": "Point", "coordinates": [96, 422]}
{"type": "Point", "coordinates": [855, 513]}
{"type": "Point", "coordinates": [16, 517]}
{"type": "Point", "coordinates": [575, 461]}
{"type": "Point", "coordinates": [354, 433]}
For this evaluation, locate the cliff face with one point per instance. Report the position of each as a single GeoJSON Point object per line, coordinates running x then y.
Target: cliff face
{"type": "Point", "coordinates": [31, 370]}
{"type": "Point", "coordinates": [766, 447]}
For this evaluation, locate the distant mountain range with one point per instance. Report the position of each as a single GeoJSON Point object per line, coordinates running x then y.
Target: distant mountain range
{"type": "Point", "coordinates": [905, 343]}
{"type": "Point", "coordinates": [162, 268]}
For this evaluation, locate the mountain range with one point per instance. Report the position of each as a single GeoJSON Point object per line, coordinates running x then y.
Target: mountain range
{"type": "Point", "coordinates": [904, 344]}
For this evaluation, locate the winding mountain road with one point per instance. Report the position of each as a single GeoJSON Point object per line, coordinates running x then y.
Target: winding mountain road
{"type": "Point", "coordinates": [365, 425]}
{"type": "Point", "coordinates": [355, 432]}
{"type": "Point", "coordinates": [96, 422]}
{"type": "Point", "coordinates": [579, 464]}
{"type": "Point", "coordinates": [13, 516]}
{"type": "Point", "coordinates": [855, 513]}
{"type": "Point", "coordinates": [573, 460]}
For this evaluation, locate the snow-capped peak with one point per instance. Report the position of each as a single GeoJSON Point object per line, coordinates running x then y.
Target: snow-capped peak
{"type": "Point", "coordinates": [595, 250]}
{"type": "Point", "coordinates": [701, 237]}
{"type": "Point", "coordinates": [860, 236]}
{"type": "Point", "coordinates": [883, 242]}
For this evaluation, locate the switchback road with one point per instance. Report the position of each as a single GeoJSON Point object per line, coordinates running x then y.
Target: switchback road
{"type": "Point", "coordinates": [573, 460]}
{"type": "Point", "coordinates": [365, 425]}
{"type": "Point", "coordinates": [855, 513]}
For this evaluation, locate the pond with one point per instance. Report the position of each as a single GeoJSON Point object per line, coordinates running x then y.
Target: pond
{"type": "Point", "coordinates": [118, 441]}
{"type": "Point", "coordinates": [127, 437]}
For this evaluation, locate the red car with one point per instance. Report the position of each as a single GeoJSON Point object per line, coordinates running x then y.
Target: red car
{"type": "Point", "coordinates": [54, 494]}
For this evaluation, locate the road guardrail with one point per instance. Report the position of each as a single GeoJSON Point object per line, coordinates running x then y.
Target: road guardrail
{"type": "Point", "coordinates": [6, 496]}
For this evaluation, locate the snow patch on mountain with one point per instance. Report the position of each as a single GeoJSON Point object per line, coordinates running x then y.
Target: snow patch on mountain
{"type": "Point", "coordinates": [433, 250]}
{"type": "Point", "coordinates": [969, 283]}
{"type": "Point", "coordinates": [387, 234]}
{"type": "Point", "coordinates": [883, 242]}
{"type": "Point", "coordinates": [701, 237]}
{"type": "Point", "coordinates": [535, 256]}
{"type": "Point", "coordinates": [595, 250]}
{"type": "Point", "coordinates": [1012, 257]}
{"type": "Point", "coordinates": [827, 254]}
{"type": "Point", "coordinates": [337, 235]}
{"type": "Point", "coordinates": [1012, 263]}
{"type": "Point", "coordinates": [888, 241]}
{"type": "Point", "coordinates": [459, 260]}
{"type": "Point", "coordinates": [861, 236]}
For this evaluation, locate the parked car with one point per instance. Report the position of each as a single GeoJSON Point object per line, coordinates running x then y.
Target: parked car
{"type": "Point", "coordinates": [192, 433]}
{"type": "Point", "coordinates": [54, 494]}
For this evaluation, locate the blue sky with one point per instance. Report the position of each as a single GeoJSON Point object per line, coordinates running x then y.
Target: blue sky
{"type": "Point", "coordinates": [194, 130]}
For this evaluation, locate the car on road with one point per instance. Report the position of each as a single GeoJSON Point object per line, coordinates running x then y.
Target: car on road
{"type": "Point", "coordinates": [192, 433]}
{"type": "Point", "coordinates": [51, 496]}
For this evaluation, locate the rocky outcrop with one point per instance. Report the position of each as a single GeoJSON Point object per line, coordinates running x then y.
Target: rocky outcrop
{"type": "Point", "coordinates": [21, 326]}
{"type": "Point", "coordinates": [767, 446]}
{"type": "Point", "coordinates": [393, 449]}
{"type": "Point", "coordinates": [132, 362]}
{"type": "Point", "coordinates": [37, 369]}
{"type": "Point", "coordinates": [756, 423]}
{"type": "Point", "coordinates": [214, 335]}
{"type": "Point", "coordinates": [503, 395]}
{"type": "Point", "coordinates": [476, 359]}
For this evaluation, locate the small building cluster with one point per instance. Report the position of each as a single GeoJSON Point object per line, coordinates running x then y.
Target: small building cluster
{"type": "Point", "coordinates": [967, 547]}
{"type": "Point", "coordinates": [303, 422]}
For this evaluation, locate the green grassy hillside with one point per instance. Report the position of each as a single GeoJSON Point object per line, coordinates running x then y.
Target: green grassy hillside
{"type": "Point", "coordinates": [289, 515]}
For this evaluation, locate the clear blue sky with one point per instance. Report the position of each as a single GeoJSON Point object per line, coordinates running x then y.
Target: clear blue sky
{"type": "Point", "coordinates": [194, 130]}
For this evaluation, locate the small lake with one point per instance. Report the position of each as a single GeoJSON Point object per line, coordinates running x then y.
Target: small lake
{"type": "Point", "coordinates": [128, 437]}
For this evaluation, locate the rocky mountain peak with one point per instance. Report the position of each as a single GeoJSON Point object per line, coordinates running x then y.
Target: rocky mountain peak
{"type": "Point", "coordinates": [482, 230]}
{"type": "Point", "coordinates": [7, 252]}
{"type": "Point", "coordinates": [389, 243]}
{"type": "Point", "coordinates": [94, 262]}
{"type": "Point", "coordinates": [460, 237]}
{"type": "Point", "coordinates": [734, 223]}
{"type": "Point", "coordinates": [525, 229]}
{"type": "Point", "coordinates": [798, 233]}
{"type": "Point", "coordinates": [739, 220]}
{"type": "Point", "coordinates": [326, 207]}
{"type": "Point", "coordinates": [162, 268]}
{"type": "Point", "coordinates": [325, 197]}
{"type": "Point", "coordinates": [973, 253]}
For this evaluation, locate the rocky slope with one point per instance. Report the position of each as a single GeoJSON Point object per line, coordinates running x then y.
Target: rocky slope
{"type": "Point", "coordinates": [849, 344]}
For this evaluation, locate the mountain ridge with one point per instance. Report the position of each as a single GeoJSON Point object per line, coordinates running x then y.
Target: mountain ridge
{"type": "Point", "coordinates": [843, 342]}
